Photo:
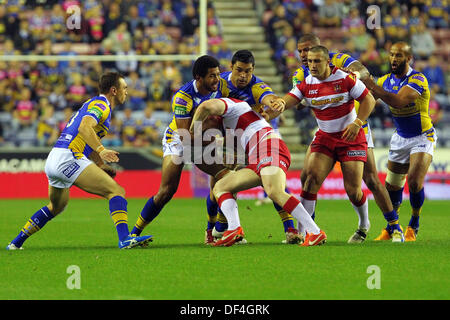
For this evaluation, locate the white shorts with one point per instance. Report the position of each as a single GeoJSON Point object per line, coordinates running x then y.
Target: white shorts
{"type": "Point", "coordinates": [401, 148]}
{"type": "Point", "coordinates": [368, 133]}
{"type": "Point", "coordinates": [62, 168]}
{"type": "Point", "coordinates": [174, 147]}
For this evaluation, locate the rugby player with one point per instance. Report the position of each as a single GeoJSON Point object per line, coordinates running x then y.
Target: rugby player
{"type": "Point", "coordinates": [243, 85]}
{"type": "Point", "coordinates": [206, 84]}
{"type": "Point", "coordinates": [68, 164]}
{"type": "Point", "coordinates": [412, 145]}
{"type": "Point", "coordinates": [268, 162]}
{"type": "Point", "coordinates": [331, 93]}
{"type": "Point", "coordinates": [370, 174]}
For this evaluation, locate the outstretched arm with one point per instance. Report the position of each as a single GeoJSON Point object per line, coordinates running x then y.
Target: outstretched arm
{"type": "Point", "coordinates": [403, 98]}
{"type": "Point", "coordinates": [207, 108]}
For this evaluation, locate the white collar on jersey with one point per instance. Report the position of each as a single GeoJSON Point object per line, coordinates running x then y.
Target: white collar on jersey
{"type": "Point", "coordinates": [195, 86]}
{"type": "Point", "coordinates": [107, 101]}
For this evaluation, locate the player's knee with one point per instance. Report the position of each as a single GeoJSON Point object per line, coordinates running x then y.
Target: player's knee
{"type": "Point", "coordinates": [414, 185]}
{"type": "Point", "coordinates": [56, 209]}
{"type": "Point", "coordinates": [166, 193]}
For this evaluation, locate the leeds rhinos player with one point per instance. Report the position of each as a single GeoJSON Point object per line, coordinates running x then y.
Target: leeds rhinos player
{"type": "Point", "coordinates": [206, 85]}
{"type": "Point", "coordinates": [370, 175]}
{"type": "Point", "coordinates": [67, 164]}
{"type": "Point", "coordinates": [406, 92]}
{"type": "Point", "coordinates": [242, 84]}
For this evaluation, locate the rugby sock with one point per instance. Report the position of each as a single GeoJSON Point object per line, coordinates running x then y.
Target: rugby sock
{"type": "Point", "coordinates": [148, 213]}
{"type": "Point", "coordinates": [391, 217]}
{"type": "Point", "coordinates": [211, 207]}
{"type": "Point", "coordinates": [416, 200]}
{"type": "Point", "coordinates": [308, 201]}
{"type": "Point", "coordinates": [119, 215]}
{"type": "Point", "coordinates": [221, 223]}
{"type": "Point", "coordinates": [396, 198]}
{"type": "Point", "coordinates": [362, 209]}
{"type": "Point", "coordinates": [295, 207]}
{"type": "Point", "coordinates": [286, 217]}
{"type": "Point", "coordinates": [33, 225]}
{"type": "Point", "coordinates": [230, 209]}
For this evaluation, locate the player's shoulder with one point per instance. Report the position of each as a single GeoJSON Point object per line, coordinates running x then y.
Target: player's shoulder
{"type": "Point", "coordinates": [300, 74]}
{"type": "Point", "coordinates": [187, 91]}
{"type": "Point", "coordinates": [417, 76]}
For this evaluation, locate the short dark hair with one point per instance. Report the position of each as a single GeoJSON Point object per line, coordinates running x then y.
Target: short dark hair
{"type": "Point", "coordinates": [108, 80]}
{"type": "Point", "coordinates": [245, 56]}
{"type": "Point", "coordinates": [309, 37]}
{"type": "Point", "coordinates": [321, 49]}
{"type": "Point", "coordinates": [203, 64]}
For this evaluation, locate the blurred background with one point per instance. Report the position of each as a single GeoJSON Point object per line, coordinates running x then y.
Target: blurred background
{"type": "Point", "coordinates": [38, 97]}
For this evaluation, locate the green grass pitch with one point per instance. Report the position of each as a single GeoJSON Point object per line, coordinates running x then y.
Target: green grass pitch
{"type": "Point", "coordinates": [178, 266]}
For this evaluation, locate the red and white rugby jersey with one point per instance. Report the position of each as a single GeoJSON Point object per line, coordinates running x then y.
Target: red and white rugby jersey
{"type": "Point", "coordinates": [244, 123]}
{"type": "Point", "coordinates": [332, 99]}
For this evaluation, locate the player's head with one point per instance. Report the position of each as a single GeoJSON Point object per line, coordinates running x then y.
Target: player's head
{"type": "Point", "coordinates": [113, 85]}
{"type": "Point", "coordinates": [399, 57]}
{"type": "Point", "coordinates": [306, 42]}
{"type": "Point", "coordinates": [319, 62]}
{"type": "Point", "coordinates": [207, 73]}
{"type": "Point", "coordinates": [242, 66]}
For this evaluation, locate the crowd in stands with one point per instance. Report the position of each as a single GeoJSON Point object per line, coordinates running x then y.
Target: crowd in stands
{"type": "Point", "coordinates": [37, 98]}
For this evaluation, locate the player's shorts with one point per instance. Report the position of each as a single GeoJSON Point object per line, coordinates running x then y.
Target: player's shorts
{"type": "Point", "coordinates": [62, 168]}
{"type": "Point", "coordinates": [172, 146]}
{"type": "Point", "coordinates": [332, 145]}
{"type": "Point", "coordinates": [269, 152]}
{"type": "Point", "coordinates": [401, 148]}
{"type": "Point", "coordinates": [368, 133]}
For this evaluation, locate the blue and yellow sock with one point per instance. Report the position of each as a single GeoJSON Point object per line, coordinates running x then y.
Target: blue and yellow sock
{"type": "Point", "coordinates": [396, 198]}
{"type": "Point", "coordinates": [221, 223]}
{"type": "Point", "coordinates": [33, 225]}
{"type": "Point", "coordinates": [211, 207]}
{"type": "Point", "coordinates": [416, 200]}
{"type": "Point", "coordinates": [286, 217]}
{"type": "Point", "coordinates": [119, 214]}
{"type": "Point", "coordinates": [148, 213]}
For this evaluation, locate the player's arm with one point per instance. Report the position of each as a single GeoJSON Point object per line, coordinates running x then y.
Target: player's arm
{"type": "Point", "coordinates": [403, 98]}
{"type": "Point", "coordinates": [214, 107]}
{"type": "Point", "coordinates": [87, 133]}
{"type": "Point", "coordinates": [287, 102]}
{"type": "Point", "coordinates": [359, 69]}
{"type": "Point", "coordinates": [365, 109]}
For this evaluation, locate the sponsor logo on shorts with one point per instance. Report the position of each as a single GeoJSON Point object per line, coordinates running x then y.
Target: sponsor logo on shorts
{"type": "Point", "coordinates": [283, 163]}
{"type": "Point", "coordinates": [263, 161]}
{"type": "Point", "coordinates": [421, 146]}
{"type": "Point", "coordinates": [71, 169]}
{"type": "Point", "coordinates": [356, 153]}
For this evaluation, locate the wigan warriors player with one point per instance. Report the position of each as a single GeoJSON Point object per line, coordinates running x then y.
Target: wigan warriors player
{"type": "Point", "coordinates": [331, 92]}
{"type": "Point", "coordinates": [268, 161]}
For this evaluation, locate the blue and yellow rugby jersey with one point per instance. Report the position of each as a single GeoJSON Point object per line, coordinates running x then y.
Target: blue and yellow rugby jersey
{"type": "Point", "coordinates": [99, 109]}
{"type": "Point", "coordinates": [186, 100]}
{"type": "Point", "coordinates": [253, 93]}
{"type": "Point", "coordinates": [414, 119]}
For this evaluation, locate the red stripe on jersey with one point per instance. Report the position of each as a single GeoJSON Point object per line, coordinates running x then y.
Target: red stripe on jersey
{"type": "Point", "coordinates": [226, 105]}
{"type": "Point", "coordinates": [363, 95]}
{"type": "Point", "coordinates": [334, 112]}
{"type": "Point", "coordinates": [246, 119]}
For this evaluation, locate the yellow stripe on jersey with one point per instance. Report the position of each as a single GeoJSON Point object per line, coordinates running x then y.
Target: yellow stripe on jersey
{"type": "Point", "coordinates": [259, 90]}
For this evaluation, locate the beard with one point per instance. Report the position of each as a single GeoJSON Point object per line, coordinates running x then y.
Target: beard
{"type": "Point", "coordinates": [399, 69]}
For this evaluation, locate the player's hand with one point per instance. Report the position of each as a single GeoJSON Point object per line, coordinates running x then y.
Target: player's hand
{"type": "Point", "coordinates": [109, 170]}
{"type": "Point", "coordinates": [278, 105]}
{"type": "Point", "coordinates": [109, 155]}
{"type": "Point", "coordinates": [351, 132]}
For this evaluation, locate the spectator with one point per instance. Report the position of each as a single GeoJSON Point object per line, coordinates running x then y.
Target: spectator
{"type": "Point", "coordinates": [371, 58]}
{"type": "Point", "coordinates": [25, 112]}
{"type": "Point", "coordinates": [77, 93]}
{"type": "Point", "coordinates": [437, 11]}
{"type": "Point", "coordinates": [422, 42]}
{"type": "Point", "coordinates": [396, 25]}
{"type": "Point", "coordinates": [167, 15]}
{"type": "Point", "coordinates": [361, 39]}
{"type": "Point", "coordinates": [112, 138]}
{"type": "Point", "coordinates": [434, 109]}
{"type": "Point", "coordinates": [113, 18]}
{"type": "Point", "coordinates": [119, 36]}
{"type": "Point", "coordinates": [57, 97]}
{"type": "Point", "coordinates": [23, 39]}
{"type": "Point", "coordinates": [352, 21]}
{"type": "Point", "coordinates": [137, 92]}
{"type": "Point", "coordinates": [47, 128]}
{"type": "Point", "coordinates": [150, 125]}
{"type": "Point", "coordinates": [129, 65]}
{"type": "Point", "coordinates": [189, 21]}
{"type": "Point", "coordinates": [129, 128]}
{"type": "Point", "coordinates": [435, 75]}
{"type": "Point", "coordinates": [58, 24]}
{"type": "Point", "coordinates": [330, 14]}
{"type": "Point", "coordinates": [276, 24]}
{"type": "Point", "coordinates": [96, 20]}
